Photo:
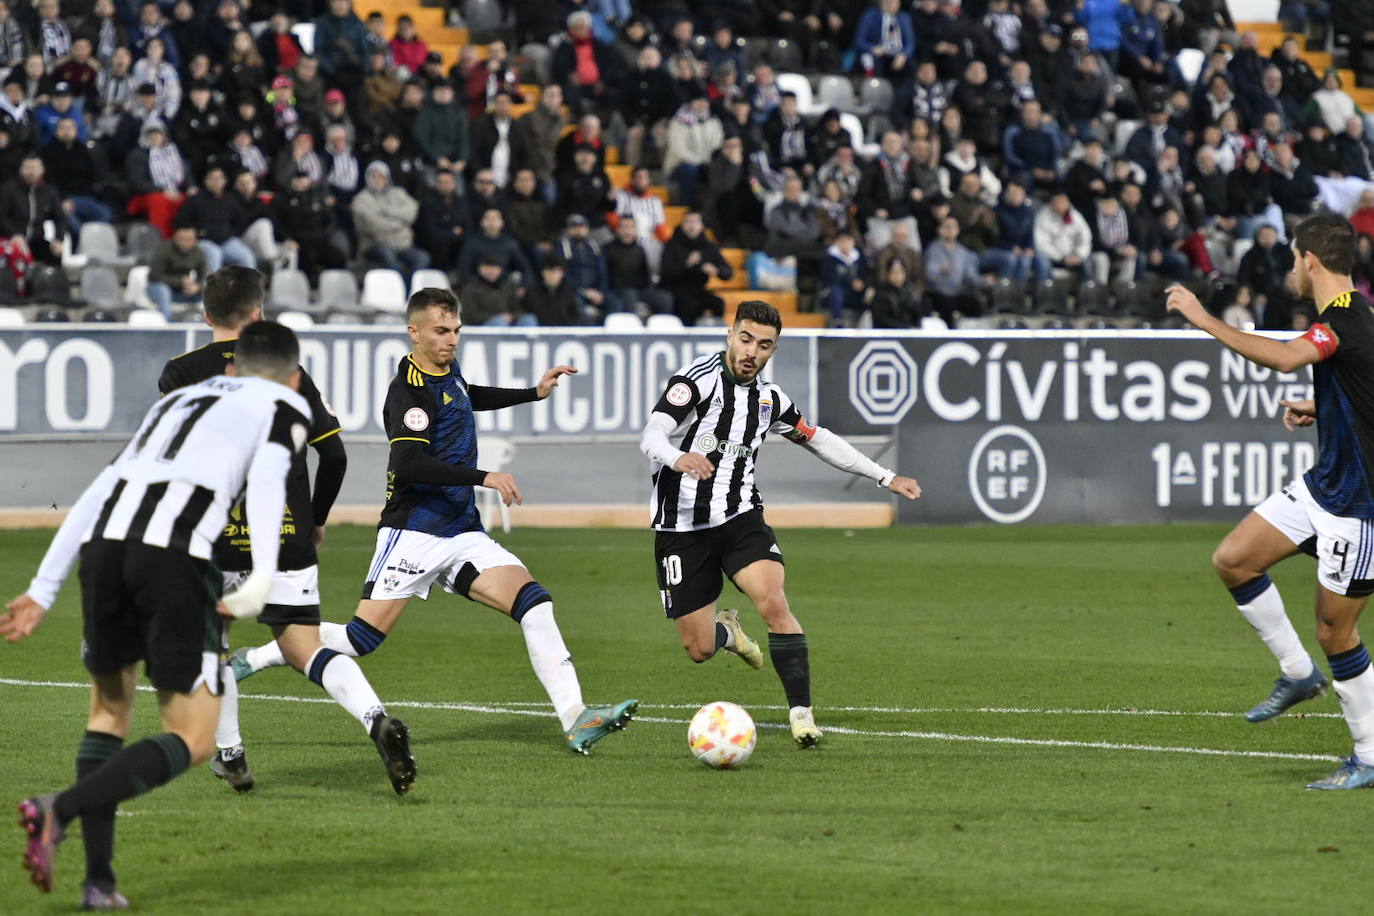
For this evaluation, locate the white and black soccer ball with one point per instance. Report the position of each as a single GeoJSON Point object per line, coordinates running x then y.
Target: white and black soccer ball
{"type": "Point", "coordinates": [722, 735]}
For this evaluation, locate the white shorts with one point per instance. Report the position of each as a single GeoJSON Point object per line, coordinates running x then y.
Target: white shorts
{"type": "Point", "coordinates": [406, 563]}
{"type": "Point", "coordinates": [1344, 547]}
{"type": "Point", "coordinates": [294, 598]}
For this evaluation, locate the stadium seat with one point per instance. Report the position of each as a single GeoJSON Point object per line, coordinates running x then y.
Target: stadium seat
{"type": "Point", "coordinates": [933, 323]}
{"type": "Point", "coordinates": [429, 278]}
{"type": "Point", "coordinates": [1189, 62]}
{"type": "Point", "coordinates": [147, 318]}
{"type": "Point", "coordinates": [305, 34]}
{"type": "Point", "coordinates": [663, 323]}
{"type": "Point", "coordinates": [49, 285]}
{"type": "Point", "coordinates": [875, 95]}
{"type": "Point", "coordinates": [493, 454]}
{"type": "Point", "coordinates": [800, 86]}
{"type": "Point", "coordinates": [100, 287]}
{"type": "Point", "coordinates": [290, 289]}
{"type": "Point", "coordinates": [1121, 135]}
{"type": "Point", "coordinates": [296, 321]}
{"type": "Point", "coordinates": [11, 318]}
{"type": "Point", "coordinates": [338, 290]}
{"type": "Point", "coordinates": [836, 92]}
{"type": "Point", "coordinates": [783, 54]}
{"type": "Point", "coordinates": [1052, 296]}
{"type": "Point", "coordinates": [100, 316]}
{"type": "Point", "coordinates": [136, 286]}
{"type": "Point", "coordinates": [1008, 296]}
{"type": "Point", "coordinates": [623, 321]}
{"type": "Point", "coordinates": [384, 290]}
{"type": "Point", "coordinates": [1093, 298]}
{"type": "Point", "coordinates": [851, 123]}
{"type": "Point", "coordinates": [143, 242]}
{"type": "Point", "coordinates": [51, 316]}
{"type": "Point", "coordinates": [100, 245]}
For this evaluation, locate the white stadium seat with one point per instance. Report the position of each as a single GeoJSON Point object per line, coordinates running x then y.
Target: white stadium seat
{"type": "Point", "coordinates": [384, 290]}
{"type": "Point", "coordinates": [296, 321]}
{"type": "Point", "coordinates": [623, 321]}
{"type": "Point", "coordinates": [493, 454]}
{"type": "Point", "coordinates": [427, 279]}
{"type": "Point", "coordinates": [663, 323]}
{"type": "Point", "coordinates": [147, 318]}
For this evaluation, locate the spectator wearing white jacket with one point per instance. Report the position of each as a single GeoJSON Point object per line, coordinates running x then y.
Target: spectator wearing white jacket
{"type": "Point", "coordinates": [693, 137]}
{"type": "Point", "coordinates": [1062, 234]}
{"type": "Point", "coordinates": [384, 216]}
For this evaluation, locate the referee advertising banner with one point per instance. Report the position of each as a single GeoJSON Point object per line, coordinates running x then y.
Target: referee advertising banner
{"type": "Point", "coordinates": [102, 379]}
{"type": "Point", "coordinates": [1019, 427]}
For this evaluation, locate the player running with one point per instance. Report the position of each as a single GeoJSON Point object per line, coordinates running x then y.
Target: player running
{"type": "Point", "coordinates": [431, 533]}
{"type": "Point", "coordinates": [1329, 513]}
{"type": "Point", "coordinates": [144, 530]}
{"type": "Point", "coordinates": [233, 299]}
{"type": "Point", "coordinates": [702, 437]}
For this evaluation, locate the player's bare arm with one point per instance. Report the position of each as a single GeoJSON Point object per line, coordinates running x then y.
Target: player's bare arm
{"type": "Point", "coordinates": [1282, 356]}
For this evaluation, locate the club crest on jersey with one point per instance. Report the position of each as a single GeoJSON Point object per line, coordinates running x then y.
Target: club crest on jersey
{"type": "Point", "coordinates": [416, 419]}
{"type": "Point", "coordinates": [765, 412]}
{"type": "Point", "coordinates": [706, 443]}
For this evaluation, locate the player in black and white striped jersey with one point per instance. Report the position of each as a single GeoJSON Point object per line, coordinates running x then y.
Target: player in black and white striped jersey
{"type": "Point", "coordinates": [149, 592]}
{"type": "Point", "coordinates": [702, 439]}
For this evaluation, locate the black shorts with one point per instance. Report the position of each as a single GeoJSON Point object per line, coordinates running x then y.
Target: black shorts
{"type": "Point", "coordinates": [689, 563]}
{"type": "Point", "coordinates": [150, 604]}
{"type": "Point", "coordinates": [294, 599]}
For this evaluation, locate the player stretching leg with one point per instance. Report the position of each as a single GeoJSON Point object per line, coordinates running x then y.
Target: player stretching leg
{"type": "Point", "coordinates": [149, 590]}
{"type": "Point", "coordinates": [1330, 511]}
{"type": "Point", "coordinates": [233, 299]}
{"type": "Point", "coordinates": [708, 516]}
{"type": "Point", "coordinates": [430, 532]}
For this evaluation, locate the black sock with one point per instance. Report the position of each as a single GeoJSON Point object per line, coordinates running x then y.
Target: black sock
{"type": "Point", "coordinates": [97, 825]}
{"type": "Point", "coordinates": [722, 635]}
{"type": "Point", "coordinates": [133, 771]}
{"type": "Point", "coordinates": [792, 662]}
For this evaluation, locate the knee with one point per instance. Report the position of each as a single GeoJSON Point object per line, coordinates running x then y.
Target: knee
{"type": "Point", "coordinates": [1230, 564]}
{"type": "Point", "coordinates": [773, 607]}
{"type": "Point", "coordinates": [699, 654]}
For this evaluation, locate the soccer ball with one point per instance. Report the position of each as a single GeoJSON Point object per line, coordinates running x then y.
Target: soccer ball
{"type": "Point", "coordinates": [721, 735]}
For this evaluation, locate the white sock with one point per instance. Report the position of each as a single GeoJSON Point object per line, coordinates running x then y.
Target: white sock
{"type": "Point", "coordinates": [343, 680]}
{"type": "Point", "coordinates": [227, 730]}
{"type": "Point", "coordinates": [1357, 702]}
{"type": "Point", "coordinates": [552, 663]}
{"type": "Point", "coordinates": [1266, 614]}
{"type": "Point", "coordinates": [335, 636]}
{"type": "Point", "coordinates": [266, 656]}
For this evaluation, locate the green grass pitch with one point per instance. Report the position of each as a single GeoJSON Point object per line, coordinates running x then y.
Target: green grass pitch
{"type": "Point", "coordinates": [1021, 720]}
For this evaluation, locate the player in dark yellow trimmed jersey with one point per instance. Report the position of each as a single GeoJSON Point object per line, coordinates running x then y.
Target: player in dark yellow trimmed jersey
{"type": "Point", "coordinates": [1329, 512]}
{"type": "Point", "coordinates": [233, 299]}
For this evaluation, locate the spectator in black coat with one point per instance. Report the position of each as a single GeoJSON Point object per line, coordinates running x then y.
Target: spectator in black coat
{"type": "Point", "coordinates": [531, 217]}
{"type": "Point", "coordinates": [304, 225]}
{"type": "Point", "coordinates": [895, 303]}
{"type": "Point", "coordinates": [72, 170]}
{"type": "Point", "coordinates": [443, 220]}
{"type": "Point", "coordinates": [492, 239]}
{"type": "Point", "coordinates": [690, 261]}
{"type": "Point", "coordinates": [586, 191]}
{"type": "Point", "coordinates": [1264, 267]}
{"type": "Point", "coordinates": [31, 212]}
{"type": "Point", "coordinates": [217, 218]}
{"type": "Point", "coordinates": [1357, 154]}
{"type": "Point", "coordinates": [587, 69]}
{"type": "Point", "coordinates": [1291, 182]}
{"type": "Point", "coordinates": [551, 299]}
{"type": "Point", "coordinates": [496, 144]}
{"type": "Point", "coordinates": [200, 129]}
{"type": "Point", "coordinates": [627, 272]}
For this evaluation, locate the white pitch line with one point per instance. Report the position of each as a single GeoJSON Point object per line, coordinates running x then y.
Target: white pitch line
{"type": "Point", "coordinates": [523, 708]}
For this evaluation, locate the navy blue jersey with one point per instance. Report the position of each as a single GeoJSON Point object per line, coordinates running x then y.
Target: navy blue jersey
{"type": "Point", "coordinates": [434, 410]}
{"type": "Point", "coordinates": [1344, 392]}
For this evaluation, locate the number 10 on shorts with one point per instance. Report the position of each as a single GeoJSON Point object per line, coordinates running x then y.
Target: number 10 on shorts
{"type": "Point", "coordinates": [672, 575]}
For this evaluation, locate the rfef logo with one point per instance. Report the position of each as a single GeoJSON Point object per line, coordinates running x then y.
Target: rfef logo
{"type": "Point", "coordinates": [1006, 474]}
{"type": "Point", "coordinates": [882, 382]}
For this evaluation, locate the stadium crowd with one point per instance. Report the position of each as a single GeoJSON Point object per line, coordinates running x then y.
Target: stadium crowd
{"type": "Point", "coordinates": [895, 160]}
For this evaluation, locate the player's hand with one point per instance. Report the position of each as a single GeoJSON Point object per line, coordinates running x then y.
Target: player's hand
{"type": "Point", "coordinates": [505, 485]}
{"type": "Point", "coordinates": [1182, 301]}
{"type": "Point", "coordinates": [249, 598]}
{"type": "Point", "coordinates": [317, 537]}
{"type": "Point", "coordinates": [1298, 413]}
{"type": "Point", "coordinates": [22, 616]}
{"type": "Point", "coordinates": [905, 486]}
{"type": "Point", "coordinates": [695, 465]}
{"type": "Point", "coordinates": [550, 380]}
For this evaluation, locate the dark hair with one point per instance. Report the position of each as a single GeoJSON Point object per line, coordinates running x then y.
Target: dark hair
{"type": "Point", "coordinates": [267, 349]}
{"type": "Point", "coordinates": [430, 296]}
{"type": "Point", "coordinates": [1331, 238]}
{"type": "Point", "coordinates": [231, 294]}
{"type": "Point", "coordinates": [759, 312]}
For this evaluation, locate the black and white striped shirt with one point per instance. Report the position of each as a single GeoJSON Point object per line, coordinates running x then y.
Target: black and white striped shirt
{"type": "Point", "coordinates": [727, 422]}
{"type": "Point", "coordinates": [172, 486]}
